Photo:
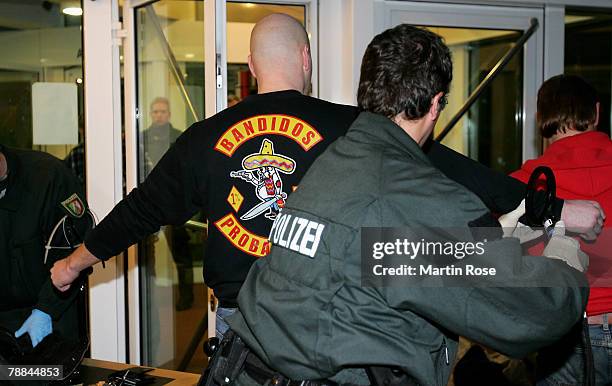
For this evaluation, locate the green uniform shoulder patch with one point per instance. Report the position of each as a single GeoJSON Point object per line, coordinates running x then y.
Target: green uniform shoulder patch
{"type": "Point", "coordinates": [74, 205]}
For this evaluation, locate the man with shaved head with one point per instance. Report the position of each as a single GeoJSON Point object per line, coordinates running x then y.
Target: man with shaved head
{"type": "Point", "coordinates": [280, 54]}
{"type": "Point", "coordinates": [237, 167]}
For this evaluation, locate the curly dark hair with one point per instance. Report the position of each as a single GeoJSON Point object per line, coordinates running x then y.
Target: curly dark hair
{"type": "Point", "coordinates": [403, 68]}
{"type": "Point", "coordinates": [566, 102]}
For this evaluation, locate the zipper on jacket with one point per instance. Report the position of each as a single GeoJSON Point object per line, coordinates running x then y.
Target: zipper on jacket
{"type": "Point", "coordinates": [445, 348]}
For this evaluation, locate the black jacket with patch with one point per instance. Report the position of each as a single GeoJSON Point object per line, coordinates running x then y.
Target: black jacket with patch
{"type": "Point", "coordinates": [238, 167]}
{"type": "Point", "coordinates": [38, 184]}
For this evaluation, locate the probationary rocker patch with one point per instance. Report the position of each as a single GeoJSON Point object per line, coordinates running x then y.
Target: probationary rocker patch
{"type": "Point", "coordinates": [74, 205]}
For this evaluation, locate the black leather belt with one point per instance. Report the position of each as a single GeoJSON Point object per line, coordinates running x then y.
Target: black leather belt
{"type": "Point", "coordinates": [262, 374]}
{"type": "Point", "coordinates": [231, 357]}
{"type": "Point", "coordinates": [224, 303]}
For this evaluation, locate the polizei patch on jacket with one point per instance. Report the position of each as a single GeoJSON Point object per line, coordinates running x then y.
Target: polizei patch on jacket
{"type": "Point", "coordinates": [301, 132]}
{"type": "Point", "coordinates": [296, 233]}
{"type": "Point", "coordinates": [74, 205]}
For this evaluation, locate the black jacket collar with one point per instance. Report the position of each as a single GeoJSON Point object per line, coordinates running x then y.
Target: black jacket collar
{"type": "Point", "coordinates": [388, 133]}
{"type": "Point", "coordinates": [273, 95]}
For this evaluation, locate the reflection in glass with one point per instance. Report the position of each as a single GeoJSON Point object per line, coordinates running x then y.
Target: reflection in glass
{"type": "Point", "coordinates": [42, 46]}
{"type": "Point", "coordinates": [170, 78]}
{"type": "Point", "coordinates": [170, 81]}
{"type": "Point", "coordinates": [491, 131]}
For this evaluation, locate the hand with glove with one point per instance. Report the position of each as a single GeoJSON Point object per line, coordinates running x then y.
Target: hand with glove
{"type": "Point", "coordinates": [565, 248]}
{"type": "Point", "coordinates": [38, 326]}
{"type": "Point", "coordinates": [513, 228]}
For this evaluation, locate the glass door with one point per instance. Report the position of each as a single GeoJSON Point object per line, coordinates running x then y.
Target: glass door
{"type": "Point", "coordinates": [588, 54]}
{"type": "Point", "coordinates": [166, 92]}
{"type": "Point", "coordinates": [184, 60]}
{"type": "Point", "coordinates": [164, 56]}
{"type": "Point", "coordinates": [499, 129]}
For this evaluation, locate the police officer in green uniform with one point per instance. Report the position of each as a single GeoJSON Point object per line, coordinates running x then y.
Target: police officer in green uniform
{"type": "Point", "coordinates": [43, 216]}
{"type": "Point", "coordinates": [304, 310]}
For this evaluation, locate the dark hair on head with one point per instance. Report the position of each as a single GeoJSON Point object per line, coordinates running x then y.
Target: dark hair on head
{"type": "Point", "coordinates": [402, 70]}
{"type": "Point", "coordinates": [566, 102]}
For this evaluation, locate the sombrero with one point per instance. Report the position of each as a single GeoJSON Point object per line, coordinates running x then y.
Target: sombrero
{"type": "Point", "coordinates": [266, 157]}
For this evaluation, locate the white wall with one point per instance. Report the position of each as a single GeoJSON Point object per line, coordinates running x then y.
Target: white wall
{"type": "Point", "coordinates": [345, 29]}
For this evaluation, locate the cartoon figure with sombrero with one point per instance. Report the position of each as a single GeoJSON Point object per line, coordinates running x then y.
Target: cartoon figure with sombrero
{"type": "Point", "coordinates": [262, 170]}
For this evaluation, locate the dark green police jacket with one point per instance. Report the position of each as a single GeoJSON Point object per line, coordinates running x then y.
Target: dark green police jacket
{"type": "Point", "coordinates": [40, 191]}
{"type": "Point", "coordinates": [303, 308]}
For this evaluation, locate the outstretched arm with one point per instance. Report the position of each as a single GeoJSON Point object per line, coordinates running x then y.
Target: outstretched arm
{"type": "Point", "coordinates": [502, 193]}
{"type": "Point", "coordinates": [498, 191]}
{"type": "Point", "coordinates": [65, 271]}
{"type": "Point", "coordinates": [169, 195]}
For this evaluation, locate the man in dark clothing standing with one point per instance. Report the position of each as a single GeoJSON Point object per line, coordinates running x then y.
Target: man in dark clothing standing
{"type": "Point", "coordinates": [42, 217]}
{"type": "Point", "coordinates": [240, 165]}
{"type": "Point", "coordinates": [157, 138]}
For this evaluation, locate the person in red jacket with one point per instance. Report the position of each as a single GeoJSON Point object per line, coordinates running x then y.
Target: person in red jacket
{"type": "Point", "coordinates": [581, 159]}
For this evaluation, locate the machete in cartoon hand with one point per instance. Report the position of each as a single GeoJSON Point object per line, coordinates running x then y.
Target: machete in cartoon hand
{"type": "Point", "coordinates": [263, 171]}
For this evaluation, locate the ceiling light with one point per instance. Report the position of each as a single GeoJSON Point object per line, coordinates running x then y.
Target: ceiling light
{"type": "Point", "coordinates": [189, 56]}
{"type": "Point", "coordinates": [73, 11]}
{"type": "Point", "coordinates": [249, 5]}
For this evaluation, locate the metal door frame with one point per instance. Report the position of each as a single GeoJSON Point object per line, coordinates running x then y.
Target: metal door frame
{"type": "Point", "coordinates": [391, 13]}
{"type": "Point", "coordinates": [103, 161]}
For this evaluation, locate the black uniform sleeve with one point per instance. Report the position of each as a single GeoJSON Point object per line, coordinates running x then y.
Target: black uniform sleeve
{"type": "Point", "coordinates": [170, 195]}
{"type": "Point", "coordinates": [499, 192]}
{"type": "Point", "coordinates": [63, 198]}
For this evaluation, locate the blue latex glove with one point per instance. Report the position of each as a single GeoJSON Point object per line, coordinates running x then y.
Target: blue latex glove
{"type": "Point", "coordinates": [38, 326]}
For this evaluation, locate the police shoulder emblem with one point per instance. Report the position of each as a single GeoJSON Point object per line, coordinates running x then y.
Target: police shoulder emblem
{"type": "Point", "coordinates": [74, 206]}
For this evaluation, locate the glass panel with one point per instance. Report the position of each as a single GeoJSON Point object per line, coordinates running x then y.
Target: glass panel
{"type": "Point", "coordinates": [170, 81]}
{"type": "Point", "coordinates": [170, 78]}
{"type": "Point", "coordinates": [42, 57]}
{"type": "Point", "coordinates": [491, 131]}
{"type": "Point", "coordinates": [241, 18]}
{"type": "Point", "coordinates": [588, 53]}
